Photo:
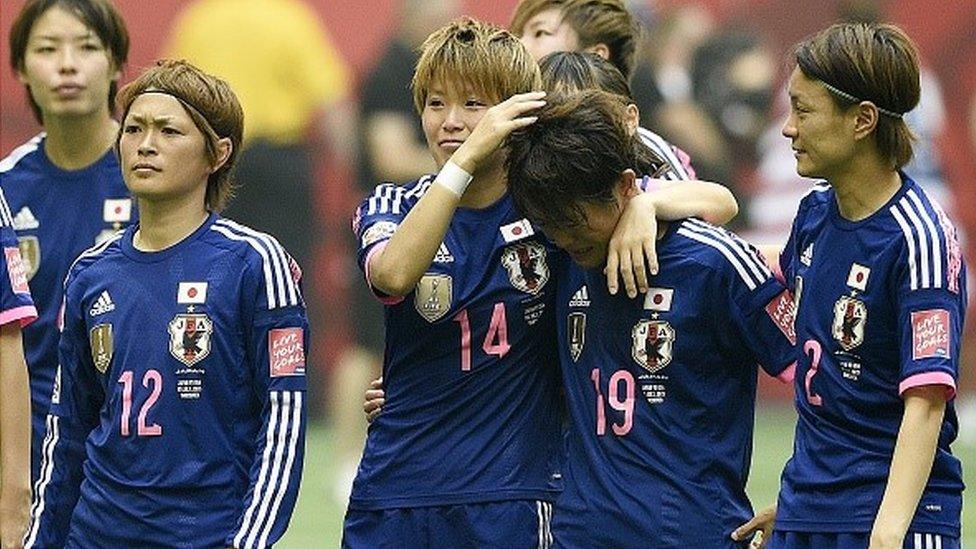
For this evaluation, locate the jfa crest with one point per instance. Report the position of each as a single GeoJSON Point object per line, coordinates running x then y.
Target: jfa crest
{"type": "Point", "coordinates": [189, 337]}
{"type": "Point", "coordinates": [850, 316]}
{"type": "Point", "coordinates": [577, 334]}
{"type": "Point", "coordinates": [526, 266]}
{"type": "Point", "coordinates": [433, 296]}
{"type": "Point", "coordinates": [102, 346]}
{"type": "Point", "coordinates": [30, 254]}
{"type": "Point", "coordinates": [653, 344]}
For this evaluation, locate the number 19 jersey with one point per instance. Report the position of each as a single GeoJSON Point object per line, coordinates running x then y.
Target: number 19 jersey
{"type": "Point", "coordinates": [471, 412]}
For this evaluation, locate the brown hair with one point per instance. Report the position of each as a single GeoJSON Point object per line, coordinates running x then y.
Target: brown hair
{"type": "Point", "coordinates": [485, 57]}
{"type": "Point", "coordinates": [573, 71]}
{"type": "Point", "coordinates": [98, 15]}
{"type": "Point", "coordinates": [595, 22]}
{"type": "Point", "coordinates": [574, 153]}
{"type": "Point", "coordinates": [211, 104]}
{"type": "Point", "coordinates": [868, 62]}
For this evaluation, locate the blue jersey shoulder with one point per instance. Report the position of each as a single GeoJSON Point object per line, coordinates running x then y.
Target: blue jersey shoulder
{"type": "Point", "coordinates": [722, 251]}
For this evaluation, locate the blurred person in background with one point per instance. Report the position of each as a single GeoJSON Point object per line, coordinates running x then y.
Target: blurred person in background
{"type": "Point", "coordinates": [16, 311]}
{"type": "Point", "coordinates": [393, 149]}
{"type": "Point", "coordinates": [64, 187]}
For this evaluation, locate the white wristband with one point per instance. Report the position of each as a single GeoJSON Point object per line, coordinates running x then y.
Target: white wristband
{"type": "Point", "coordinates": [453, 178]}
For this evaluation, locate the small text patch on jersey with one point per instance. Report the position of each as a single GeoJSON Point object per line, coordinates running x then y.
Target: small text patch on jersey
{"type": "Point", "coordinates": [16, 270]}
{"type": "Point", "coordinates": [850, 316]}
{"type": "Point", "coordinates": [930, 334]}
{"type": "Point", "coordinates": [577, 334]}
{"type": "Point", "coordinates": [30, 253]}
{"type": "Point", "coordinates": [117, 210]}
{"type": "Point", "coordinates": [379, 231]}
{"type": "Point", "coordinates": [526, 266]}
{"type": "Point", "coordinates": [191, 293]}
{"type": "Point", "coordinates": [433, 296]}
{"type": "Point", "coordinates": [781, 310]}
{"type": "Point", "coordinates": [517, 230]}
{"type": "Point", "coordinates": [653, 344]}
{"type": "Point", "coordinates": [287, 352]}
{"type": "Point", "coordinates": [858, 277]}
{"type": "Point", "coordinates": [189, 340]}
{"type": "Point", "coordinates": [102, 346]}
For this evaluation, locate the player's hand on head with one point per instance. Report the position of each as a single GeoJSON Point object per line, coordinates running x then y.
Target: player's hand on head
{"type": "Point", "coordinates": [759, 528]}
{"type": "Point", "coordinates": [497, 123]}
{"type": "Point", "coordinates": [632, 252]}
{"type": "Point", "coordinates": [373, 399]}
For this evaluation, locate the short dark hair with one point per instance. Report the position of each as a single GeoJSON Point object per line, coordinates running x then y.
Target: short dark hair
{"type": "Point", "coordinates": [575, 152]}
{"type": "Point", "coordinates": [98, 15]}
{"type": "Point", "coordinates": [870, 62]}
{"type": "Point", "coordinates": [573, 71]}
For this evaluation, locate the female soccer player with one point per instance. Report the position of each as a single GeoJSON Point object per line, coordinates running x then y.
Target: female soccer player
{"type": "Point", "coordinates": [880, 284]}
{"type": "Point", "coordinates": [466, 451]}
{"type": "Point", "coordinates": [64, 187]}
{"type": "Point", "coordinates": [16, 311]}
{"type": "Point", "coordinates": [182, 378]}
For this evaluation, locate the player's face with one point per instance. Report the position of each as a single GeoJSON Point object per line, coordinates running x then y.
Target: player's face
{"type": "Point", "coordinates": [586, 242]}
{"type": "Point", "coordinates": [821, 133]}
{"type": "Point", "coordinates": [68, 69]}
{"type": "Point", "coordinates": [163, 153]}
{"type": "Point", "coordinates": [547, 32]}
{"type": "Point", "coordinates": [449, 117]}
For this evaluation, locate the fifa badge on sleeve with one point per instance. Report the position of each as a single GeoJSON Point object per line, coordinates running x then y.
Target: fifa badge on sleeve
{"type": "Point", "coordinates": [102, 346]}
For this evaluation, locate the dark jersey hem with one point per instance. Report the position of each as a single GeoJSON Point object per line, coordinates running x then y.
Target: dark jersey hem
{"type": "Point", "coordinates": [376, 504]}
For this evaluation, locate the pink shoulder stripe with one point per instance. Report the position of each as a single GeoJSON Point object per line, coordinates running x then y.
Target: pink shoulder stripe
{"type": "Point", "coordinates": [787, 375]}
{"type": "Point", "coordinates": [929, 378]}
{"type": "Point", "coordinates": [385, 300]}
{"type": "Point", "coordinates": [25, 314]}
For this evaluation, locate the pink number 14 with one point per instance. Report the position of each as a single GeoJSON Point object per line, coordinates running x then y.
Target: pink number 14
{"type": "Point", "coordinates": [496, 340]}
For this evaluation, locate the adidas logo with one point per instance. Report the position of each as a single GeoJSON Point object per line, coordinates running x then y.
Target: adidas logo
{"type": "Point", "coordinates": [25, 220]}
{"type": "Point", "coordinates": [102, 305]}
{"type": "Point", "coordinates": [581, 298]}
{"type": "Point", "coordinates": [443, 255]}
{"type": "Point", "coordinates": [807, 256]}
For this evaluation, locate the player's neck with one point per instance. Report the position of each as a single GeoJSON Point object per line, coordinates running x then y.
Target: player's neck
{"type": "Point", "coordinates": [165, 223]}
{"type": "Point", "coordinates": [485, 189]}
{"type": "Point", "coordinates": [866, 186]}
{"type": "Point", "coordinates": [78, 142]}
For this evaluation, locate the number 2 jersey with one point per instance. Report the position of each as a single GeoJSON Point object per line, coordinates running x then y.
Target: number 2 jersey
{"type": "Point", "coordinates": [661, 392]}
{"type": "Point", "coordinates": [880, 310]}
{"type": "Point", "coordinates": [471, 412]}
{"type": "Point", "coordinates": [180, 400]}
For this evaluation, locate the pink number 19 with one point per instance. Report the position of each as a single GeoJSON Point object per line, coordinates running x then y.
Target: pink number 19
{"type": "Point", "coordinates": [625, 405]}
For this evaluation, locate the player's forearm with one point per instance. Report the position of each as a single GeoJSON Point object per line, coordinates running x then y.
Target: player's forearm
{"type": "Point", "coordinates": [410, 251]}
{"type": "Point", "coordinates": [709, 201]}
{"type": "Point", "coordinates": [910, 465]}
{"type": "Point", "coordinates": [15, 442]}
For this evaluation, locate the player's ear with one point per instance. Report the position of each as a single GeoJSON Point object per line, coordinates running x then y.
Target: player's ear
{"type": "Point", "coordinates": [600, 49]}
{"type": "Point", "coordinates": [632, 119]}
{"type": "Point", "coordinates": [865, 119]}
{"type": "Point", "coordinates": [627, 184]}
{"type": "Point", "coordinates": [224, 147]}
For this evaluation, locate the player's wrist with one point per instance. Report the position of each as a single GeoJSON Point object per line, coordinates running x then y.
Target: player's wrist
{"type": "Point", "coordinates": [453, 178]}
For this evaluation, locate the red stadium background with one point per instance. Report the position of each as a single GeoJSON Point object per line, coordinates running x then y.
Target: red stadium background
{"type": "Point", "coordinates": [942, 29]}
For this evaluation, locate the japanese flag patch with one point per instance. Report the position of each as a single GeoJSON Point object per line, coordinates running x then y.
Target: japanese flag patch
{"type": "Point", "coordinates": [286, 350]}
{"type": "Point", "coordinates": [16, 270]}
{"type": "Point", "coordinates": [517, 231]}
{"type": "Point", "coordinates": [930, 334]}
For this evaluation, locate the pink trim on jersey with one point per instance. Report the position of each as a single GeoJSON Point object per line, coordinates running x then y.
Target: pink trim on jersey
{"type": "Point", "coordinates": [685, 161]}
{"type": "Point", "coordinates": [787, 375]}
{"type": "Point", "coordinates": [929, 378]}
{"type": "Point", "coordinates": [25, 314]}
{"type": "Point", "coordinates": [777, 270]}
{"type": "Point", "coordinates": [385, 300]}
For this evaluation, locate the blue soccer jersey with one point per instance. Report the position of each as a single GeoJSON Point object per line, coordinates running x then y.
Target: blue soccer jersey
{"type": "Point", "coordinates": [470, 374]}
{"type": "Point", "coordinates": [16, 304]}
{"type": "Point", "coordinates": [661, 392]}
{"type": "Point", "coordinates": [881, 303]}
{"type": "Point", "coordinates": [181, 396]}
{"type": "Point", "coordinates": [57, 214]}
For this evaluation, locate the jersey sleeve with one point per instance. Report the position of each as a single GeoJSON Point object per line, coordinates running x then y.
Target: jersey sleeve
{"type": "Point", "coordinates": [16, 304]}
{"type": "Point", "coordinates": [930, 292]}
{"type": "Point", "coordinates": [376, 219]}
{"type": "Point", "coordinates": [76, 399]}
{"type": "Point", "coordinates": [277, 345]}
